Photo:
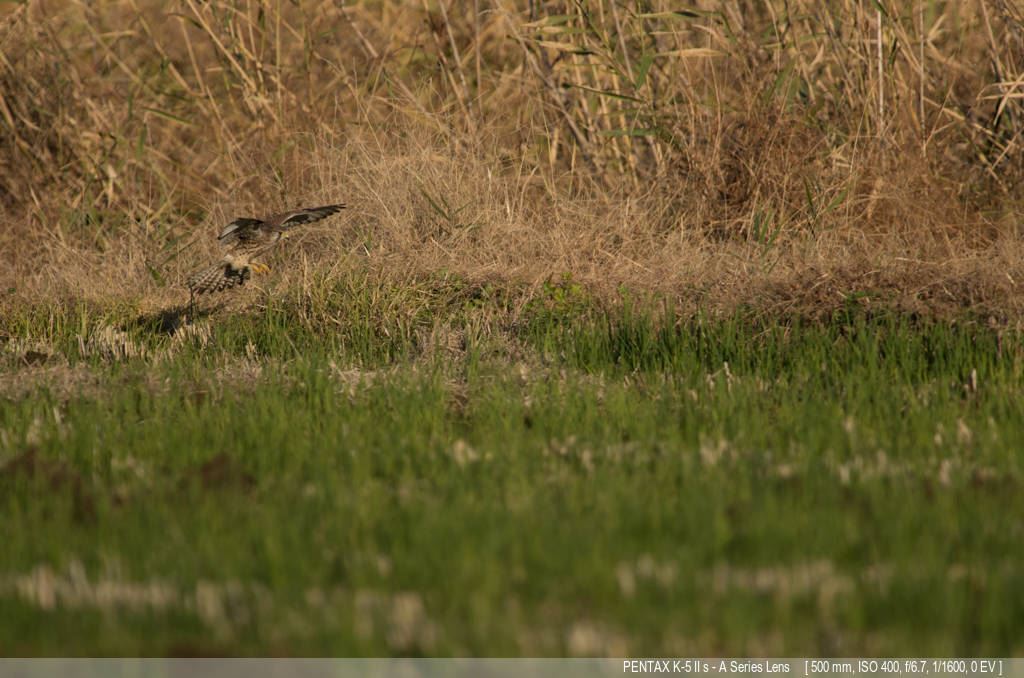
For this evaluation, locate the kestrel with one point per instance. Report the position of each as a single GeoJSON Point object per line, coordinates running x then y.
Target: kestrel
{"type": "Point", "coordinates": [245, 239]}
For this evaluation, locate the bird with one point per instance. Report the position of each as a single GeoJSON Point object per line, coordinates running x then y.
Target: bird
{"type": "Point", "coordinates": [245, 239]}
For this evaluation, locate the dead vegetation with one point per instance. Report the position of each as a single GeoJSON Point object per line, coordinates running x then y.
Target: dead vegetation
{"type": "Point", "coordinates": [787, 155]}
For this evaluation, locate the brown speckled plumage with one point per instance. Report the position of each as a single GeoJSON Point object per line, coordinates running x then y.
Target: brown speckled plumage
{"type": "Point", "coordinates": [245, 239]}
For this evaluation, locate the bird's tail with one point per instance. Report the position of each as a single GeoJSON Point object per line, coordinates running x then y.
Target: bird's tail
{"type": "Point", "coordinates": [216, 278]}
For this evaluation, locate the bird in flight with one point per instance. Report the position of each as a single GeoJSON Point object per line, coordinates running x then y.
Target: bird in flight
{"type": "Point", "coordinates": [246, 239]}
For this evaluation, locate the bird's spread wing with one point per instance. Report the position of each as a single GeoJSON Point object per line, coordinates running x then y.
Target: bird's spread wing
{"type": "Point", "coordinates": [239, 230]}
{"type": "Point", "coordinates": [304, 216]}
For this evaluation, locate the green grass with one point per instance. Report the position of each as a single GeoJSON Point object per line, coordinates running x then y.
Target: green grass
{"type": "Point", "coordinates": [581, 480]}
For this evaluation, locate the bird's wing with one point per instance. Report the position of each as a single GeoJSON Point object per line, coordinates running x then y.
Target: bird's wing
{"type": "Point", "coordinates": [304, 216]}
{"type": "Point", "coordinates": [239, 230]}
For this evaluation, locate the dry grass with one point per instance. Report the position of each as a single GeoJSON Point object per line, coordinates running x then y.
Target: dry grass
{"type": "Point", "coordinates": [767, 153]}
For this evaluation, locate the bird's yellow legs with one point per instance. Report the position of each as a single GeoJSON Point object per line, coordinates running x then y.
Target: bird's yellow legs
{"type": "Point", "coordinates": [260, 268]}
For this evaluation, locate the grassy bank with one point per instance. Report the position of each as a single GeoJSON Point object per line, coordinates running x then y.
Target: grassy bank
{"type": "Point", "coordinates": [783, 155]}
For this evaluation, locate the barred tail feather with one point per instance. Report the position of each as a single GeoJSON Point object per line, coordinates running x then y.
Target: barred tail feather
{"type": "Point", "coordinates": [216, 278]}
